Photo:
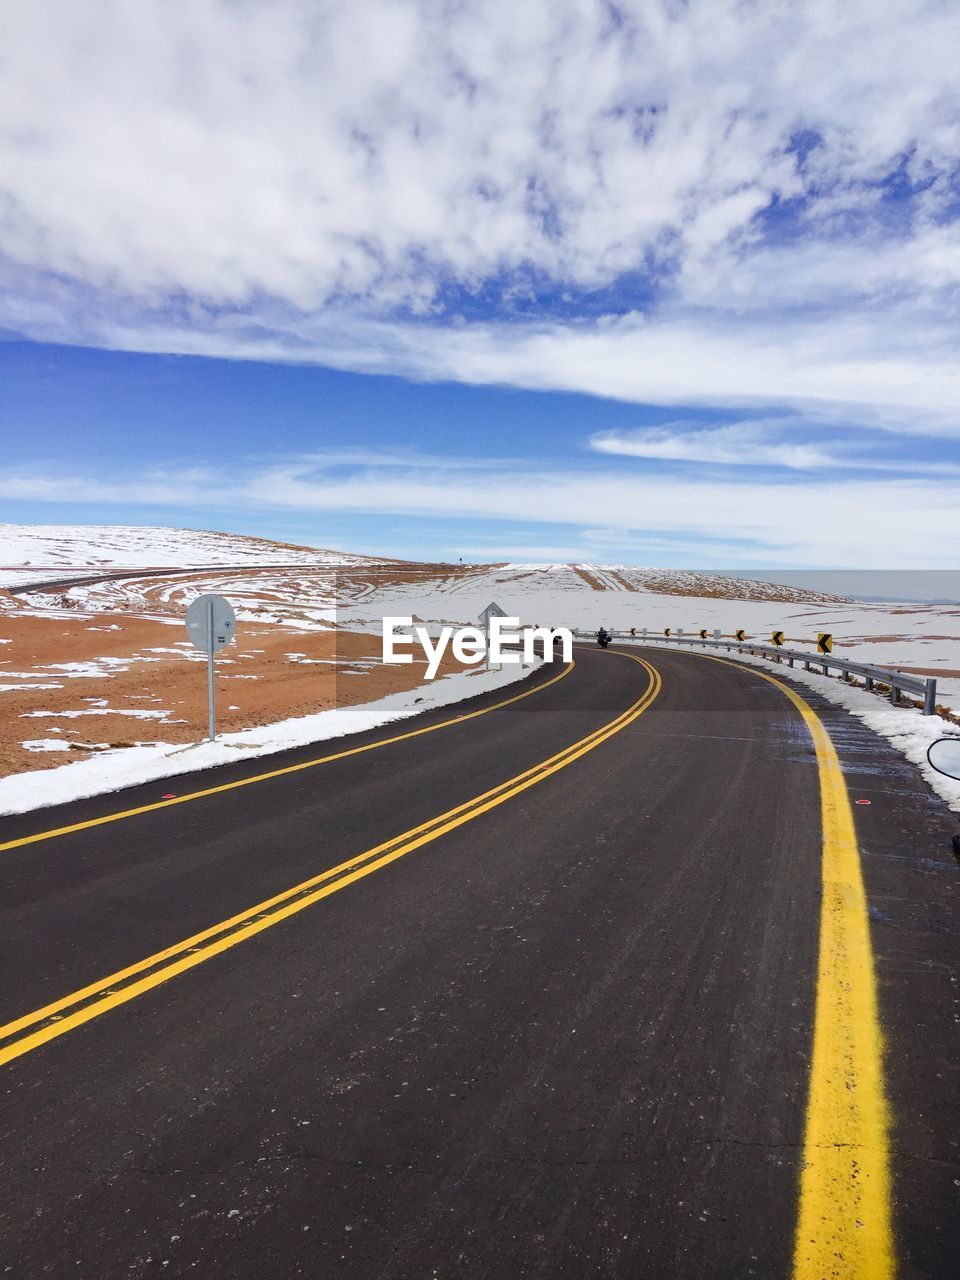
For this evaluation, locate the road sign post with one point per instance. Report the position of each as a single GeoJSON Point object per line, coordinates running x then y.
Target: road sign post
{"type": "Point", "coordinates": [492, 610]}
{"type": "Point", "coordinates": [825, 645]}
{"type": "Point", "coordinates": [211, 625]}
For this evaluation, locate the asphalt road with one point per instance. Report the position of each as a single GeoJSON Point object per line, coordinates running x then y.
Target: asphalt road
{"type": "Point", "coordinates": [491, 1008]}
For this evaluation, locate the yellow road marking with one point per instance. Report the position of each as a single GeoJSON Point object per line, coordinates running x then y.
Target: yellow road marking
{"type": "Point", "coordinates": [844, 1226]}
{"type": "Point", "coordinates": [203, 946]}
{"type": "Point", "coordinates": [279, 773]}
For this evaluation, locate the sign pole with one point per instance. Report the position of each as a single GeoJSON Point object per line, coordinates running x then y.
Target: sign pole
{"type": "Point", "coordinates": [211, 624]}
{"type": "Point", "coordinates": [210, 689]}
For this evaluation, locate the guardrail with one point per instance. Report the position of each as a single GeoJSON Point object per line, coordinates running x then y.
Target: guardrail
{"type": "Point", "coordinates": [898, 681]}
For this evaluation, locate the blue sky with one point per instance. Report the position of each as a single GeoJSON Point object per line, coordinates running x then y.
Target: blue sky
{"type": "Point", "coordinates": [662, 283]}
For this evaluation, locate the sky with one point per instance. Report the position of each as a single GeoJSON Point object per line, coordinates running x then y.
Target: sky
{"type": "Point", "coordinates": [667, 283]}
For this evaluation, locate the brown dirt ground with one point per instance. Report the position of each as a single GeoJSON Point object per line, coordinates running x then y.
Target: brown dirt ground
{"type": "Point", "coordinates": [257, 682]}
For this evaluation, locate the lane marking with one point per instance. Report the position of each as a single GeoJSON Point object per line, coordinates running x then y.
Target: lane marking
{"type": "Point", "coordinates": [79, 1007]}
{"type": "Point", "coordinates": [278, 773]}
{"type": "Point", "coordinates": [844, 1225]}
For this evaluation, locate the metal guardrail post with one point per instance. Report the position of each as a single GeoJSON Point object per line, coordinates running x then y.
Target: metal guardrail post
{"type": "Point", "coordinates": [930, 697]}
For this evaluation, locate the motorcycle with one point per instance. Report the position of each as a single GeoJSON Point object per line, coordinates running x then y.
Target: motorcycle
{"type": "Point", "coordinates": [603, 638]}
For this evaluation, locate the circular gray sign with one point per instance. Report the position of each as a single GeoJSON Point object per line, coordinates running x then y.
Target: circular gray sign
{"type": "Point", "coordinates": [211, 623]}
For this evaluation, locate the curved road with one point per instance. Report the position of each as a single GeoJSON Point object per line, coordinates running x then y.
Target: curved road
{"type": "Point", "coordinates": [529, 988]}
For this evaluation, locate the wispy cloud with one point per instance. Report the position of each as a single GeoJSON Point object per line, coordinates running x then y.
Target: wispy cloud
{"type": "Point", "coordinates": [860, 522]}
{"type": "Point", "coordinates": [750, 444]}
{"type": "Point", "coordinates": [761, 443]}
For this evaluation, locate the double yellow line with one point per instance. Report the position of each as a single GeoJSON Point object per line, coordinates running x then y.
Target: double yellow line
{"type": "Point", "coordinates": [53, 1020]}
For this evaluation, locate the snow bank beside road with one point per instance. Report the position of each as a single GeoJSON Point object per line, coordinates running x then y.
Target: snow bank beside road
{"type": "Point", "coordinates": [132, 766]}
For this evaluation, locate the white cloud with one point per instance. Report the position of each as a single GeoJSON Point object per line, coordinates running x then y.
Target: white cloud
{"type": "Point", "coordinates": [756, 442]}
{"type": "Point", "coordinates": [909, 523]}
{"type": "Point", "coordinates": [294, 180]}
{"type": "Point", "coordinates": [738, 444]}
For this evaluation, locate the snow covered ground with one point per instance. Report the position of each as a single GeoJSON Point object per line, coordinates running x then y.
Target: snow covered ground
{"type": "Point", "coordinates": [90, 547]}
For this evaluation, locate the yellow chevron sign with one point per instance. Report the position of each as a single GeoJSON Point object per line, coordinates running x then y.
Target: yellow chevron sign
{"type": "Point", "coordinates": [666, 631]}
{"type": "Point", "coordinates": [703, 633]}
{"type": "Point", "coordinates": [777, 638]}
{"type": "Point", "coordinates": [633, 631]}
{"type": "Point", "coordinates": [825, 642]}
{"type": "Point", "coordinates": [740, 635]}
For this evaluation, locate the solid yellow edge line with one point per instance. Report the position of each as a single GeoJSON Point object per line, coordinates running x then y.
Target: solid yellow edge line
{"type": "Point", "coordinates": [844, 1225]}
{"type": "Point", "coordinates": [278, 773]}
{"type": "Point", "coordinates": [465, 813]}
{"type": "Point", "coordinates": [222, 926]}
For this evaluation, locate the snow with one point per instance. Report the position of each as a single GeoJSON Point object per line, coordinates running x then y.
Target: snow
{"type": "Point", "coordinates": [19, 688]}
{"type": "Point", "coordinates": [36, 550]}
{"type": "Point", "coordinates": [23, 675]}
{"type": "Point", "coordinates": [906, 728]}
{"type": "Point", "coordinates": [132, 766]}
{"type": "Point", "coordinates": [136, 713]}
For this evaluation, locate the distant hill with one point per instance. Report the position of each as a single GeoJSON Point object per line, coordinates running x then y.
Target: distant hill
{"type": "Point", "coordinates": [92, 546]}
{"type": "Point", "coordinates": [30, 553]}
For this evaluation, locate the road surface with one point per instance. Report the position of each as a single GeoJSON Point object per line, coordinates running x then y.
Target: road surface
{"type": "Point", "coordinates": [526, 988]}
